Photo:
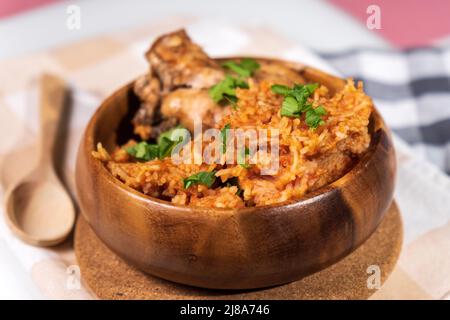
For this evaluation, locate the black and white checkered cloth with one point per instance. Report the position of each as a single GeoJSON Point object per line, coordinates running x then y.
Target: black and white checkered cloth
{"type": "Point", "coordinates": [412, 91]}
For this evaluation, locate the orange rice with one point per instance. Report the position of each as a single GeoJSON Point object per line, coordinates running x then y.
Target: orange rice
{"type": "Point", "coordinates": [308, 158]}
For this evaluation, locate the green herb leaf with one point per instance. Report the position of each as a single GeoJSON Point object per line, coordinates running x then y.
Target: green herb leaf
{"type": "Point", "coordinates": [169, 139]}
{"type": "Point", "coordinates": [144, 151]}
{"type": "Point", "coordinates": [245, 68]}
{"type": "Point", "coordinates": [296, 103]}
{"type": "Point", "coordinates": [236, 68]}
{"type": "Point", "coordinates": [166, 146]}
{"type": "Point", "coordinates": [226, 87]}
{"type": "Point", "coordinates": [250, 64]}
{"type": "Point", "coordinates": [167, 134]}
{"type": "Point", "coordinates": [281, 89]}
{"type": "Point", "coordinates": [290, 107]}
{"type": "Point", "coordinates": [302, 93]}
{"type": "Point", "coordinates": [313, 117]}
{"type": "Point", "coordinates": [206, 178]}
{"type": "Point", "coordinates": [223, 135]}
{"type": "Point", "coordinates": [240, 83]}
{"type": "Point", "coordinates": [320, 110]}
{"type": "Point", "coordinates": [311, 87]}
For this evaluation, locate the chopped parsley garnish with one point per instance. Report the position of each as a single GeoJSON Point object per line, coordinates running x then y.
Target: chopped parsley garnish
{"type": "Point", "coordinates": [223, 135]}
{"type": "Point", "coordinates": [314, 116]}
{"type": "Point", "coordinates": [296, 103]}
{"type": "Point", "coordinates": [206, 178]}
{"type": "Point", "coordinates": [281, 89]}
{"type": "Point", "coordinates": [244, 68]}
{"type": "Point", "coordinates": [290, 107]}
{"type": "Point", "coordinates": [226, 89]}
{"type": "Point", "coordinates": [145, 151]}
{"type": "Point", "coordinates": [169, 139]}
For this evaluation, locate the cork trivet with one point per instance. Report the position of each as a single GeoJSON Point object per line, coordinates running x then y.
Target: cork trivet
{"type": "Point", "coordinates": [109, 277]}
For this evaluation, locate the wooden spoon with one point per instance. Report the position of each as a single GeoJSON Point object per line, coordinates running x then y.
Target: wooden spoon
{"type": "Point", "coordinates": [38, 208]}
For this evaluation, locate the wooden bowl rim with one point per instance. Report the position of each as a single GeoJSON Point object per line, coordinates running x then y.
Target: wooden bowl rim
{"type": "Point", "coordinates": [88, 145]}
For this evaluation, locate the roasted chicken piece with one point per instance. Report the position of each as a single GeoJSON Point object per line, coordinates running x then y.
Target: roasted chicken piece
{"type": "Point", "coordinates": [178, 62]}
{"type": "Point", "coordinates": [176, 88]}
{"type": "Point", "coordinates": [189, 105]}
{"type": "Point", "coordinates": [147, 88]}
{"type": "Point", "coordinates": [175, 62]}
{"type": "Point", "coordinates": [278, 73]}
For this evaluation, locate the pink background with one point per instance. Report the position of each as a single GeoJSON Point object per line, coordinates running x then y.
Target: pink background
{"type": "Point", "coordinates": [405, 23]}
{"type": "Point", "coordinates": [12, 7]}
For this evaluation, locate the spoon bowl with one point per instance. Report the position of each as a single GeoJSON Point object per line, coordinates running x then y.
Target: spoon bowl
{"type": "Point", "coordinates": [32, 210]}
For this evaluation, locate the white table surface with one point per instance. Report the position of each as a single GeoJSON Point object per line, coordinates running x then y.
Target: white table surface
{"type": "Point", "coordinates": [315, 24]}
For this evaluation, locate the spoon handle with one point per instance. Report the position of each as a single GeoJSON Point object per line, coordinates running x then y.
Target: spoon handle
{"type": "Point", "coordinates": [53, 99]}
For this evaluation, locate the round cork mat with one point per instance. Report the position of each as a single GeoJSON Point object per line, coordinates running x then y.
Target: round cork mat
{"type": "Point", "coordinates": [108, 277]}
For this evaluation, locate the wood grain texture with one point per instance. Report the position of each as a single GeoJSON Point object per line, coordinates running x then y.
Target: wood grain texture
{"type": "Point", "coordinates": [232, 249]}
{"type": "Point", "coordinates": [109, 277]}
{"type": "Point", "coordinates": [38, 208]}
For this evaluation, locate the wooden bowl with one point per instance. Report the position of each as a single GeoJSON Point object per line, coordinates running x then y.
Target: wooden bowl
{"type": "Point", "coordinates": [232, 249]}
